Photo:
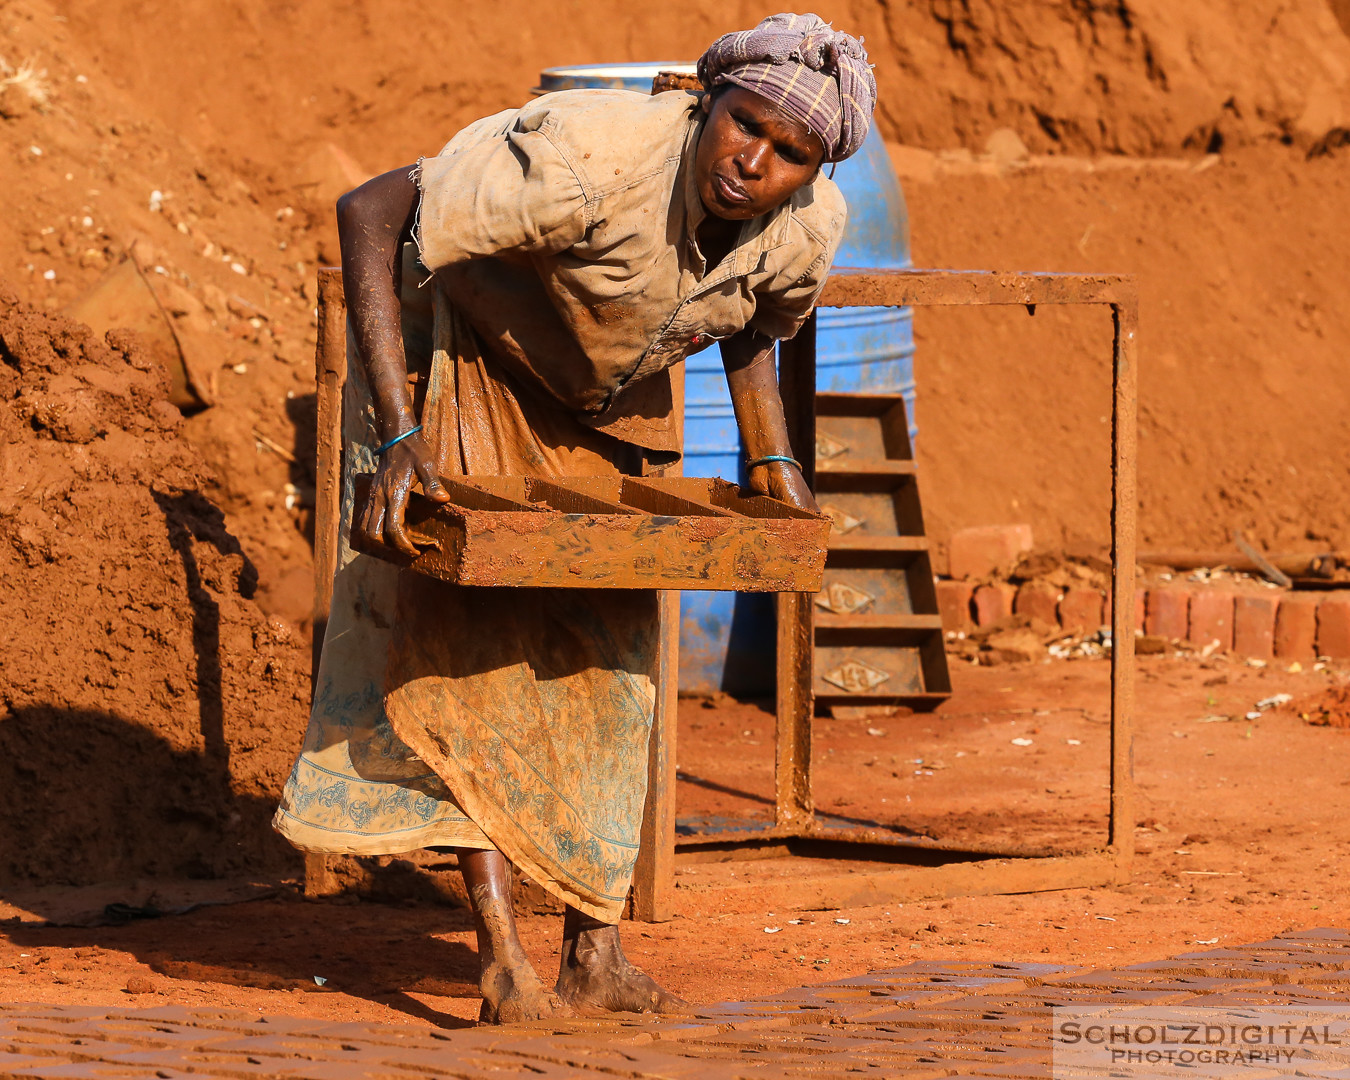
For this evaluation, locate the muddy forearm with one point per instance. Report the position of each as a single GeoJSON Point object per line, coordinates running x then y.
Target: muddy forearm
{"type": "Point", "coordinates": [374, 221]}
{"type": "Point", "coordinates": [748, 359]}
{"type": "Point", "coordinates": [753, 382]}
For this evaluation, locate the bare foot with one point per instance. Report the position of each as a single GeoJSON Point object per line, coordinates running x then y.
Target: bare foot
{"type": "Point", "coordinates": [595, 975]}
{"type": "Point", "coordinates": [513, 993]}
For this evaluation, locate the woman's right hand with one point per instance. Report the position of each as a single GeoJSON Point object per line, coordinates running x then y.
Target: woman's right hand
{"type": "Point", "coordinates": [373, 222]}
{"type": "Point", "coordinates": [381, 521]}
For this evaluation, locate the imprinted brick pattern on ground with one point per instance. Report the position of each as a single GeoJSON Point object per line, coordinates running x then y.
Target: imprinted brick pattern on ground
{"type": "Point", "coordinates": [926, 1019]}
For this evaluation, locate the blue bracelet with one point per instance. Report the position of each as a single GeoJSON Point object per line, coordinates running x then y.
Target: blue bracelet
{"type": "Point", "coordinates": [398, 439]}
{"type": "Point", "coordinates": [769, 458]}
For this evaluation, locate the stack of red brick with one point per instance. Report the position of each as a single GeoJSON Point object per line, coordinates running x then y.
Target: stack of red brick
{"type": "Point", "coordinates": [1257, 622]}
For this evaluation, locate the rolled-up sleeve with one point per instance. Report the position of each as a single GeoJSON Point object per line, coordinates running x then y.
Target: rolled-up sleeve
{"type": "Point", "coordinates": [779, 314]}
{"type": "Point", "coordinates": [783, 302]}
{"type": "Point", "coordinates": [511, 190]}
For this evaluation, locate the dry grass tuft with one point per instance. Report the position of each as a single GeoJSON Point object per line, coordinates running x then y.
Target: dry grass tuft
{"type": "Point", "coordinates": [27, 79]}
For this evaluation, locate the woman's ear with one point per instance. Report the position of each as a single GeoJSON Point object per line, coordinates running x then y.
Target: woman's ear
{"type": "Point", "coordinates": [706, 103]}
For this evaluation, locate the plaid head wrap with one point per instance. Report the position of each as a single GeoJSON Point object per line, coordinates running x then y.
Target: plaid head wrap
{"type": "Point", "coordinates": [810, 71]}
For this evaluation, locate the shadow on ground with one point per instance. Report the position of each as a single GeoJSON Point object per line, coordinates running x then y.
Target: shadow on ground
{"type": "Point", "coordinates": [383, 953]}
{"type": "Point", "coordinates": [90, 796]}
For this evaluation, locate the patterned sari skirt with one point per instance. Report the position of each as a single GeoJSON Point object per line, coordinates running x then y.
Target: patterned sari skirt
{"type": "Point", "coordinates": [506, 718]}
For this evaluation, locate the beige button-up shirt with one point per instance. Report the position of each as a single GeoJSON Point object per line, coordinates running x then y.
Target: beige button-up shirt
{"type": "Point", "coordinates": [566, 232]}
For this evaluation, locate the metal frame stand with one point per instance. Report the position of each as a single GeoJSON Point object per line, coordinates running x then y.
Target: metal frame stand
{"type": "Point", "coordinates": [795, 829]}
{"type": "Point", "coordinates": [795, 824]}
{"type": "Point", "coordinates": [330, 377]}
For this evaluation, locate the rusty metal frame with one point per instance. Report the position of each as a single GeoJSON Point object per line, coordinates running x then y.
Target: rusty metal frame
{"type": "Point", "coordinates": [330, 377]}
{"type": "Point", "coordinates": [990, 871]}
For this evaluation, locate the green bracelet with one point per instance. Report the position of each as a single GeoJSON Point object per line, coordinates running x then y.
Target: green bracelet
{"type": "Point", "coordinates": [768, 459]}
{"type": "Point", "coordinates": [397, 439]}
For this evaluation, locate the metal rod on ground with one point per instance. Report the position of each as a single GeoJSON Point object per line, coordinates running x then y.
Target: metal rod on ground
{"type": "Point", "coordinates": [1322, 565]}
{"type": "Point", "coordinates": [274, 446]}
{"type": "Point", "coordinates": [1270, 572]}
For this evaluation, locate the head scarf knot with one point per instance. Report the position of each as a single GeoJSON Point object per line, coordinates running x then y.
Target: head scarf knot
{"type": "Point", "coordinates": [811, 71]}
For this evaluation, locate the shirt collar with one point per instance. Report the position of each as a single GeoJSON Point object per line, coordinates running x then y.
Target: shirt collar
{"type": "Point", "coordinates": [694, 211]}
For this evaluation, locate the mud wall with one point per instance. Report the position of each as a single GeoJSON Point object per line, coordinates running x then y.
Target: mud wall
{"type": "Point", "coordinates": [147, 706]}
{"type": "Point", "coordinates": [260, 81]}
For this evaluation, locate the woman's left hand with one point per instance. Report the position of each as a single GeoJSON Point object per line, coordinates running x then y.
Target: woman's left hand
{"type": "Point", "coordinates": [753, 382]}
{"type": "Point", "coordinates": [782, 480]}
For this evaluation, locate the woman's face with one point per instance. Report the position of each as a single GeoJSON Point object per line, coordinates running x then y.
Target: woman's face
{"type": "Point", "coordinates": [752, 156]}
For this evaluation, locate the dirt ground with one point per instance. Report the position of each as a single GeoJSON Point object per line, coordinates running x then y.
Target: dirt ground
{"type": "Point", "coordinates": [158, 568]}
{"type": "Point", "coordinates": [1241, 836]}
{"type": "Point", "coordinates": [142, 685]}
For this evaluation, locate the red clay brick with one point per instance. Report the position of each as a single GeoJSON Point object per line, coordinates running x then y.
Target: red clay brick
{"type": "Point", "coordinates": [1296, 626]}
{"type": "Point", "coordinates": [1039, 601]}
{"type": "Point", "coordinates": [954, 599]}
{"type": "Point", "coordinates": [993, 602]}
{"type": "Point", "coordinates": [1333, 626]}
{"type": "Point", "coordinates": [1082, 611]}
{"type": "Point", "coordinates": [1254, 626]}
{"type": "Point", "coordinates": [1139, 597]}
{"type": "Point", "coordinates": [1212, 618]}
{"type": "Point", "coordinates": [1167, 613]}
{"type": "Point", "coordinates": [987, 551]}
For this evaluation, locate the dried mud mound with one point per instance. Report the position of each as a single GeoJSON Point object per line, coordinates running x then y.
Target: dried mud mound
{"type": "Point", "coordinates": [148, 710]}
{"type": "Point", "coordinates": [270, 111]}
{"type": "Point", "coordinates": [1076, 76]}
{"type": "Point", "coordinates": [1331, 708]}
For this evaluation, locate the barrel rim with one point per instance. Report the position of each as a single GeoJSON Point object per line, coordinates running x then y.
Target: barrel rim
{"type": "Point", "coordinates": [637, 66]}
{"type": "Point", "coordinates": [637, 69]}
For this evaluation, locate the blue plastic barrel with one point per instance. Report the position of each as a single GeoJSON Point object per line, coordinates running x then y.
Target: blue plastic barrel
{"type": "Point", "coordinates": [636, 77]}
{"type": "Point", "coordinates": [712, 447]}
{"type": "Point", "coordinates": [727, 639]}
{"type": "Point", "coordinates": [870, 349]}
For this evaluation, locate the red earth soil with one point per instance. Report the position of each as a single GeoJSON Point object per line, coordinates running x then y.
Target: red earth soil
{"type": "Point", "coordinates": [148, 706]}
{"type": "Point", "coordinates": [1331, 708]}
{"type": "Point", "coordinates": [260, 85]}
{"type": "Point", "coordinates": [248, 119]}
{"type": "Point", "coordinates": [267, 113]}
{"type": "Point", "coordinates": [1239, 838]}
{"type": "Point", "coordinates": [1244, 414]}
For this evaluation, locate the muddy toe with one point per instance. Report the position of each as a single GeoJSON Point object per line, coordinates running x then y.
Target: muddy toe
{"type": "Point", "coordinates": [628, 991]}
{"type": "Point", "coordinates": [513, 998]}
